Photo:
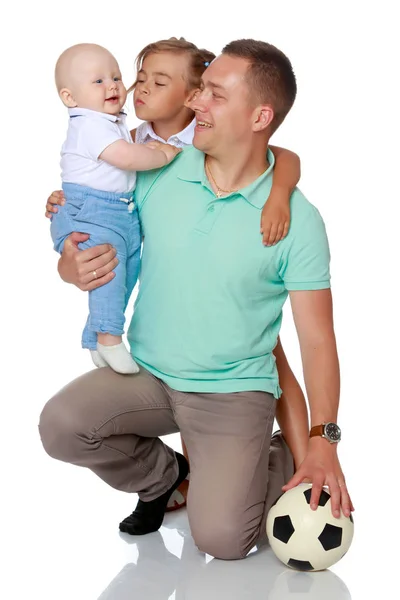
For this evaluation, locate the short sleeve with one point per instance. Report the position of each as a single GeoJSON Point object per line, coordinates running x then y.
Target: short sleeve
{"type": "Point", "coordinates": [96, 135]}
{"type": "Point", "coordinates": [305, 260]}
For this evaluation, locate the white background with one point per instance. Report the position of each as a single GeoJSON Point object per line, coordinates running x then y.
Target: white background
{"type": "Point", "coordinates": [59, 522]}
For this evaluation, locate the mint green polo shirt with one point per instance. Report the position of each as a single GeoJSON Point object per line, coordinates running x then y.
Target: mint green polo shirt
{"type": "Point", "coordinates": [209, 307]}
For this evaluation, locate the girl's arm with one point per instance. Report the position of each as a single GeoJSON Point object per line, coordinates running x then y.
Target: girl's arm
{"type": "Point", "coordinates": [275, 216]}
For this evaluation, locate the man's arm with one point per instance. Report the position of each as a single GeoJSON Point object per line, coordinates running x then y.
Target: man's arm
{"type": "Point", "coordinates": [313, 317]}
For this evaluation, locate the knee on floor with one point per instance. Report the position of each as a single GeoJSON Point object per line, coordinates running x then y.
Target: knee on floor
{"type": "Point", "coordinates": [222, 539]}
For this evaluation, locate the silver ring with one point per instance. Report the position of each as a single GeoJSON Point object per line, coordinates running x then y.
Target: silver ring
{"type": "Point", "coordinates": [94, 275]}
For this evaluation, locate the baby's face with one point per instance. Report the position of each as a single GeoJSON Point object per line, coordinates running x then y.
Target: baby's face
{"type": "Point", "coordinates": [95, 83]}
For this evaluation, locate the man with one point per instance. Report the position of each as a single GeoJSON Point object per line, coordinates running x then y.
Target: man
{"type": "Point", "coordinates": [206, 321]}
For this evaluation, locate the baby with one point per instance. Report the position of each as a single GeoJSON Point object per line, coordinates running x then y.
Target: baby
{"type": "Point", "coordinates": [99, 163]}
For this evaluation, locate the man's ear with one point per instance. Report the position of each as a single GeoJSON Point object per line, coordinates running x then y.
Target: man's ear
{"type": "Point", "coordinates": [191, 97]}
{"type": "Point", "coordinates": [263, 117]}
{"type": "Point", "coordinates": [67, 98]}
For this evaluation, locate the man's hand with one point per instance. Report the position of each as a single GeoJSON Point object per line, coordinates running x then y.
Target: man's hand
{"type": "Point", "coordinates": [322, 467]}
{"type": "Point", "coordinates": [87, 269]}
{"type": "Point", "coordinates": [55, 198]}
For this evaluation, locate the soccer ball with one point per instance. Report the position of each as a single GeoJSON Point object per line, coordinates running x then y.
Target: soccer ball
{"type": "Point", "coordinates": [304, 539]}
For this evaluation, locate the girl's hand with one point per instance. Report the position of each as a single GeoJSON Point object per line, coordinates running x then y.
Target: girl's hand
{"type": "Point", "coordinates": [275, 218]}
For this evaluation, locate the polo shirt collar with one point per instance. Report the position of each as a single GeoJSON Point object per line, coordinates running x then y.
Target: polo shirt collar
{"type": "Point", "coordinates": [192, 169]}
{"type": "Point", "coordinates": [185, 136]}
{"type": "Point", "coordinates": [86, 112]}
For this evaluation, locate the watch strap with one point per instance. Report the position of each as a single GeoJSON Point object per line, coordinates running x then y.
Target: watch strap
{"type": "Point", "coordinates": [317, 430]}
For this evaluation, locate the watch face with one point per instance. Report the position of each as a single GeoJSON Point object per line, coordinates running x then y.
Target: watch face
{"type": "Point", "coordinates": [332, 432]}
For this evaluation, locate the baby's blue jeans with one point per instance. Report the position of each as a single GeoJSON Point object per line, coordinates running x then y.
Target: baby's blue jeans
{"type": "Point", "coordinates": [109, 219]}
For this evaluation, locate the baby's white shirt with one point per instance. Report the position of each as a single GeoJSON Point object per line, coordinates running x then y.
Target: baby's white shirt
{"type": "Point", "coordinates": [89, 133]}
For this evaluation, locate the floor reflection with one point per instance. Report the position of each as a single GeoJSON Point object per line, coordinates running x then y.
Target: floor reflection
{"type": "Point", "coordinates": [158, 573]}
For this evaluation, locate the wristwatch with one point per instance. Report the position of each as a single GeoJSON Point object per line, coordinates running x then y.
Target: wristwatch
{"type": "Point", "coordinates": [329, 431]}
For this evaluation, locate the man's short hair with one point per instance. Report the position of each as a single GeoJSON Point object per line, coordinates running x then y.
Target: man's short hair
{"type": "Point", "coordinates": [270, 76]}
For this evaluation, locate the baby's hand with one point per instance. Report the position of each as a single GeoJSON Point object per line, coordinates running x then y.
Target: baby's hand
{"type": "Point", "coordinates": [275, 218]}
{"type": "Point", "coordinates": [51, 206]}
{"type": "Point", "coordinates": [169, 150]}
{"type": "Point", "coordinates": [154, 145]}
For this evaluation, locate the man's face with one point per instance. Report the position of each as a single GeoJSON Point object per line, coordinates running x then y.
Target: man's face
{"type": "Point", "coordinates": [224, 112]}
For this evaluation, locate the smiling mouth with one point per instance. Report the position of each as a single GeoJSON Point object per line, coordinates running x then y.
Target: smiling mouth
{"type": "Point", "coordinates": [204, 125]}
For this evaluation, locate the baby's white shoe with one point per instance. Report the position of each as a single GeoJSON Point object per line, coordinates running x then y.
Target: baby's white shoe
{"type": "Point", "coordinates": [118, 358]}
{"type": "Point", "coordinates": [98, 361]}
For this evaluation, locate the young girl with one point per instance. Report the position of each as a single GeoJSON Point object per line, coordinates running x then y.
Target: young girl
{"type": "Point", "coordinates": [168, 77]}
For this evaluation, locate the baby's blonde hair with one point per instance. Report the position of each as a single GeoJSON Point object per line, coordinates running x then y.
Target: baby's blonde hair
{"type": "Point", "coordinates": [66, 60]}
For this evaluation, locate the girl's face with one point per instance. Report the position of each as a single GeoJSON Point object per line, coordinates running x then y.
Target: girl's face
{"type": "Point", "coordinates": [161, 91]}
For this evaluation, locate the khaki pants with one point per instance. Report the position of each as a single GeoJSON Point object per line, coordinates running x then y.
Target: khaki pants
{"type": "Point", "coordinates": [110, 423]}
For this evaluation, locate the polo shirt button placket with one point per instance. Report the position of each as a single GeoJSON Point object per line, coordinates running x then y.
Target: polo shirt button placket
{"type": "Point", "coordinates": [209, 218]}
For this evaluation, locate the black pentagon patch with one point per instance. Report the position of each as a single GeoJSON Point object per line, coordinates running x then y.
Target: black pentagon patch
{"type": "Point", "coordinates": [331, 537]}
{"type": "Point", "coordinates": [300, 565]}
{"type": "Point", "coordinates": [351, 518]}
{"type": "Point", "coordinates": [323, 499]}
{"type": "Point", "coordinates": [283, 529]}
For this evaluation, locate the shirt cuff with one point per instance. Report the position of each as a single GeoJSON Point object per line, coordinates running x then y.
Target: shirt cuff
{"type": "Point", "coordinates": [293, 286]}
